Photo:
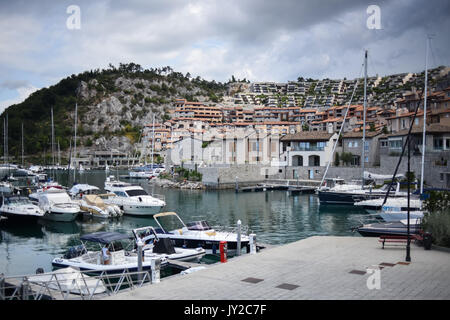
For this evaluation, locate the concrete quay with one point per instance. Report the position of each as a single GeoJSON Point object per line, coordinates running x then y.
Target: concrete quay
{"type": "Point", "coordinates": [319, 267]}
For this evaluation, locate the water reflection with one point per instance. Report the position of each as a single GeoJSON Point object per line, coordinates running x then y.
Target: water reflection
{"type": "Point", "coordinates": [276, 217]}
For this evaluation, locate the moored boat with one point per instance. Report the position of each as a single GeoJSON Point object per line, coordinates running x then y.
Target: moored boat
{"type": "Point", "coordinates": [397, 228]}
{"type": "Point", "coordinates": [20, 209]}
{"type": "Point", "coordinates": [132, 199]}
{"type": "Point", "coordinates": [196, 234]}
{"type": "Point", "coordinates": [56, 204]}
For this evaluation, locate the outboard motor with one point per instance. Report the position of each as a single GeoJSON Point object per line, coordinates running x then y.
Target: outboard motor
{"type": "Point", "coordinates": [75, 252]}
{"type": "Point", "coordinates": [164, 245]}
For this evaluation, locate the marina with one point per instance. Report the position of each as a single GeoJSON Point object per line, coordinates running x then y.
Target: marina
{"type": "Point", "coordinates": [276, 217]}
{"type": "Point", "coordinates": [274, 171]}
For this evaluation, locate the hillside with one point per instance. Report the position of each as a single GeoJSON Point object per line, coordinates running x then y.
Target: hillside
{"type": "Point", "coordinates": [113, 105]}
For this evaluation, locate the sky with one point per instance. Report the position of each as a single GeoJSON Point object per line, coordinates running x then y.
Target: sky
{"type": "Point", "coordinates": [42, 42]}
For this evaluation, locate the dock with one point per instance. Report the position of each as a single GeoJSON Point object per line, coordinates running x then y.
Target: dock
{"type": "Point", "coordinates": [319, 267]}
{"type": "Point", "coordinates": [270, 187]}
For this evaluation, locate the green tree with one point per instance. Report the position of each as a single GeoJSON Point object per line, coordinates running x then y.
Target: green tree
{"type": "Point", "coordinates": [336, 159]}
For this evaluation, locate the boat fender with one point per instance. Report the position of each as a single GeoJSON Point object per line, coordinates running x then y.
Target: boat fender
{"type": "Point", "coordinates": [140, 199]}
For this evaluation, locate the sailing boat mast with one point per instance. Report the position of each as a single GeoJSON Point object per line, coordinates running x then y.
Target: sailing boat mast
{"type": "Point", "coordinates": [75, 141]}
{"type": "Point", "coordinates": [153, 139]}
{"type": "Point", "coordinates": [364, 117]}
{"type": "Point", "coordinates": [424, 116]}
{"type": "Point", "coordinates": [22, 145]}
{"type": "Point", "coordinates": [53, 140]}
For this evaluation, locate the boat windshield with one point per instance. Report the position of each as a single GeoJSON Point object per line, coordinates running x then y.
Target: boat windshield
{"type": "Point", "coordinates": [136, 192]}
{"type": "Point", "coordinates": [17, 201]}
{"type": "Point", "coordinates": [198, 225]}
{"type": "Point", "coordinates": [170, 223]}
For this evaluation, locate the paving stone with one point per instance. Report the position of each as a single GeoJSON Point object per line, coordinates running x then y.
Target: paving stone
{"type": "Point", "coordinates": [321, 265]}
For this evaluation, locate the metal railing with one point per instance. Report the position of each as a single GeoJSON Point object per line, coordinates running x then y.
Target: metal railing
{"type": "Point", "coordinates": [81, 286]}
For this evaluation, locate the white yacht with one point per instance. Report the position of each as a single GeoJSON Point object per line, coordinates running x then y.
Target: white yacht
{"type": "Point", "coordinates": [132, 199]}
{"type": "Point", "coordinates": [374, 206]}
{"type": "Point", "coordinates": [397, 213]}
{"type": "Point", "coordinates": [123, 254]}
{"type": "Point", "coordinates": [121, 257]}
{"type": "Point", "coordinates": [56, 203]}
{"type": "Point", "coordinates": [195, 234]}
{"type": "Point", "coordinates": [20, 209]}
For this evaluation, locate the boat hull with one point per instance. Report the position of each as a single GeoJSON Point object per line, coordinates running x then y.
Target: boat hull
{"type": "Point", "coordinates": [387, 229]}
{"type": "Point", "coordinates": [22, 218]}
{"type": "Point", "coordinates": [397, 216]}
{"type": "Point", "coordinates": [60, 216]}
{"type": "Point", "coordinates": [136, 210]}
{"type": "Point", "coordinates": [342, 198]}
{"type": "Point", "coordinates": [209, 245]}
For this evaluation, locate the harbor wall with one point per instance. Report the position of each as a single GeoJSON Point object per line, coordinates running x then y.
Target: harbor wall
{"type": "Point", "coordinates": [437, 172]}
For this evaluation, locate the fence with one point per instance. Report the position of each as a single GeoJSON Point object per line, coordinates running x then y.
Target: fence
{"type": "Point", "coordinates": [70, 284]}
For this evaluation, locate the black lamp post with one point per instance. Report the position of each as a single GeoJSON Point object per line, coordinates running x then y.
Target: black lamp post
{"type": "Point", "coordinates": [408, 243]}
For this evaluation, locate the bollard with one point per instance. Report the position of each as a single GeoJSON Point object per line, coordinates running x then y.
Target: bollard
{"type": "Point", "coordinates": [2, 287]}
{"type": "Point", "coordinates": [252, 243]}
{"type": "Point", "coordinates": [24, 288]}
{"type": "Point", "coordinates": [156, 267]}
{"type": "Point", "coordinates": [223, 251]}
{"type": "Point", "coordinates": [238, 242]}
{"type": "Point", "coordinates": [140, 244]}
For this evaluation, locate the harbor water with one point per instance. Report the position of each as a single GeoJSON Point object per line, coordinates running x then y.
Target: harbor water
{"type": "Point", "coordinates": [276, 217]}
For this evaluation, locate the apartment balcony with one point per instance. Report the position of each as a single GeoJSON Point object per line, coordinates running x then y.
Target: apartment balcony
{"type": "Point", "coordinates": [311, 148]}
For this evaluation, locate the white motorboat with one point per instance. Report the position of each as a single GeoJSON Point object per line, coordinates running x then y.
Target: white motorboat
{"type": "Point", "coordinates": [132, 199]}
{"type": "Point", "coordinates": [141, 174]}
{"type": "Point", "coordinates": [80, 189]}
{"type": "Point", "coordinates": [70, 280]}
{"type": "Point", "coordinates": [374, 206]}
{"type": "Point", "coordinates": [6, 187]}
{"type": "Point", "coordinates": [36, 169]}
{"type": "Point", "coordinates": [20, 209]}
{"type": "Point", "coordinates": [56, 203]}
{"type": "Point", "coordinates": [395, 228]}
{"type": "Point", "coordinates": [195, 234]}
{"type": "Point", "coordinates": [121, 257]}
{"type": "Point", "coordinates": [97, 208]}
{"type": "Point", "coordinates": [397, 213]}
{"type": "Point", "coordinates": [154, 245]}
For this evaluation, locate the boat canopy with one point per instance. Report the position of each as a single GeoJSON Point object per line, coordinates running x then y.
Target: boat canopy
{"type": "Point", "coordinates": [374, 176]}
{"type": "Point", "coordinates": [104, 237]}
{"type": "Point", "coordinates": [78, 188]}
{"type": "Point", "coordinates": [163, 214]}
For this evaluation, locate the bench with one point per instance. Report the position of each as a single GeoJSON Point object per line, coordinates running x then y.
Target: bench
{"type": "Point", "coordinates": [392, 240]}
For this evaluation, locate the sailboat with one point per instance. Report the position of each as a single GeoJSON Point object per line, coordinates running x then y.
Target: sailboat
{"type": "Point", "coordinates": [395, 213]}
{"type": "Point", "coordinates": [349, 194]}
{"type": "Point", "coordinates": [145, 172]}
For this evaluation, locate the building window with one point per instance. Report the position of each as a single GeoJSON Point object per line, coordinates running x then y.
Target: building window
{"type": "Point", "coordinates": [438, 143]}
{"type": "Point", "coordinates": [395, 144]}
{"type": "Point", "coordinates": [441, 177]}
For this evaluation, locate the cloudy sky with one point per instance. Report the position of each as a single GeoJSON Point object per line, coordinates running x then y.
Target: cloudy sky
{"type": "Point", "coordinates": [257, 39]}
